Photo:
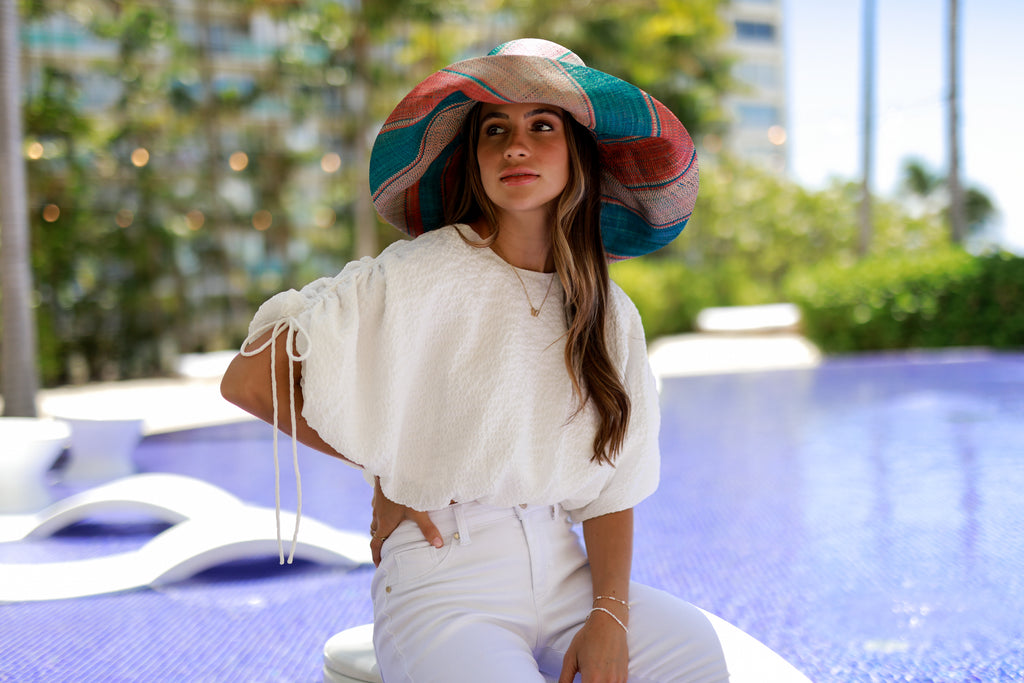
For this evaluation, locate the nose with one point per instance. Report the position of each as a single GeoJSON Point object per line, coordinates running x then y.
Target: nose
{"type": "Point", "coordinates": [517, 146]}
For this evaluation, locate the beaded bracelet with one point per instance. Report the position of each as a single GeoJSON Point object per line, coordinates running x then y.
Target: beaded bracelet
{"type": "Point", "coordinates": [617, 620]}
{"type": "Point", "coordinates": [608, 597]}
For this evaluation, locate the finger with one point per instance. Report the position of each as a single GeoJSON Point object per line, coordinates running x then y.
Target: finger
{"type": "Point", "coordinates": [569, 668]}
{"type": "Point", "coordinates": [426, 526]}
{"type": "Point", "coordinates": [375, 546]}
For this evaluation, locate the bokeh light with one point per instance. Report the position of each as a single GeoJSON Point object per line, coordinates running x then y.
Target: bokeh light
{"type": "Point", "coordinates": [330, 162]}
{"type": "Point", "coordinates": [777, 135]}
{"type": "Point", "coordinates": [262, 219]}
{"type": "Point", "coordinates": [238, 161]}
{"type": "Point", "coordinates": [140, 156]}
{"type": "Point", "coordinates": [195, 219]}
{"type": "Point", "coordinates": [324, 217]}
{"type": "Point", "coordinates": [51, 212]}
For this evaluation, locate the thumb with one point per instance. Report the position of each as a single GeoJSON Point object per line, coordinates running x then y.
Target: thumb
{"type": "Point", "coordinates": [427, 527]}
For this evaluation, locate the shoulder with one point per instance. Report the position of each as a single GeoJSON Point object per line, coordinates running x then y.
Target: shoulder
{"type": "Point", "coordinates": [442, 244]}
{"type": "Point", "coordinates": [622, 311]}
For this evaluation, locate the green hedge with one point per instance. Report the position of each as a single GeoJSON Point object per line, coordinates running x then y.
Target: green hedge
{"type": "Point", "coordinates": [937, 299]}
{"type": "Point", "coordinates": [667, 293]}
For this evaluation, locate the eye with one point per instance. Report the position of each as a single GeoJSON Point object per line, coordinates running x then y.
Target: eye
{"type": "Point", "coordinates": [493, 129]}
{"type": "Point", "coordinates": [543, 126]}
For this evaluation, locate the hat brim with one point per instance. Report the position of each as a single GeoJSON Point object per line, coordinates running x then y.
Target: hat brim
{"type": "Point", "coordinates": [648, 163]}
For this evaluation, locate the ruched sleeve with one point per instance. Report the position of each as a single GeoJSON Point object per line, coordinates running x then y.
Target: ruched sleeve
{"type": "Point", "coordinates": [296, 319]}
{"type": "Point", "coordinates": [636, 472]}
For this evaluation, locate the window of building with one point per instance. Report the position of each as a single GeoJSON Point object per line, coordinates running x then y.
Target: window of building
{"type": "Point", "coordinates": [759, 74]}
{"type": "Point", "coordinates": [755, 31]}
{"type": "Point", "coordinates": [758, 115]}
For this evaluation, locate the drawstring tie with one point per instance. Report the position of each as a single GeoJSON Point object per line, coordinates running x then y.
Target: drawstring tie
{"type": "Point", "coordinates": [294, 329]}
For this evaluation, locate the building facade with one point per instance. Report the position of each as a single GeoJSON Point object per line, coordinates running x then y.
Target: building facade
{"type": "Point", "coordinates": [758, 111]}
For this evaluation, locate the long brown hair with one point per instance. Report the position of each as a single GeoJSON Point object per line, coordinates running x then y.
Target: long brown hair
{"type": "Point", "coordinates": [582, 266]}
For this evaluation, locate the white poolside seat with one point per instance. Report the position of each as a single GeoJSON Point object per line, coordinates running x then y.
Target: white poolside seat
{"type": "Point", "coordinates": [101, 448]}
{"type": "Point", "coordinates": [189, 547]}
{"type": "Point", "coordinates": [28, 448]}
{"type": "Point", "coordinates": [349, 657]}
{"type": "Point", "coordinates": [167, 497]}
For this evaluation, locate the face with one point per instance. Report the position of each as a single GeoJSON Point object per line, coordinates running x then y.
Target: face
{"type": "Point", "coordinates": [523, 156]}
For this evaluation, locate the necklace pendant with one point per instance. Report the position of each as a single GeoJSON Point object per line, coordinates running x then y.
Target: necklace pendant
{"type": "Point", "coordinates": [534, 311]}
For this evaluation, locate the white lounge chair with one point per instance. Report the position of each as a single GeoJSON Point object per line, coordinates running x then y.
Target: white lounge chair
{"type": "Point", "coordinates": [189, 547]}
{"type": "Point", "coordinates": [168, 497]}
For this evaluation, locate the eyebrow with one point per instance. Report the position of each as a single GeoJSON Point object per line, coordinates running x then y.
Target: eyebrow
{"type": "Point", "coordinates": [533, 112]}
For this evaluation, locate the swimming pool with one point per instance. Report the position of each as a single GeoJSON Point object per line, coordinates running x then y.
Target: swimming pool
{"type": "Point", "coordinates": [863, 518]}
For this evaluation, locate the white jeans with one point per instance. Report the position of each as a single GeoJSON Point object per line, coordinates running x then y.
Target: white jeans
{"type": "Point", "coordinates": [502, 600]}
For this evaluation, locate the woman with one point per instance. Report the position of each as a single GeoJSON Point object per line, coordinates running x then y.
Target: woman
{"type": "Point", "coordinates": [493, 382]}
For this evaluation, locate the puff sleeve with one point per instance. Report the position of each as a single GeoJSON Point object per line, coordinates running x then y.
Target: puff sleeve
{"type": "Point", "coordinates": [637, 468]}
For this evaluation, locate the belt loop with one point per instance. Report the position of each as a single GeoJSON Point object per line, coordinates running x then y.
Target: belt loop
{"type": "Point", "coordinates": [462, 535]}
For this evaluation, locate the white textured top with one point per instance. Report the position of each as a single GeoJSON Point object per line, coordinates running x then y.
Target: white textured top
{"type": "Point", "coordinates": [425, 366]}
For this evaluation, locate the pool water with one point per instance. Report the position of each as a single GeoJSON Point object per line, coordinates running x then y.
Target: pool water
{"type": "Point", "coordinates": [864, 518]}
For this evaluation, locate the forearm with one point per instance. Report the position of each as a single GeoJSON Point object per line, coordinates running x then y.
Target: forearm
{"type": "Point", "coordinates": [609, 540]}
{"type": "Point", "coordinates": [247, 383]}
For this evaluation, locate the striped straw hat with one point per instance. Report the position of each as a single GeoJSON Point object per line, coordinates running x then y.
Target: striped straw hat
{"type": "Point", "coordinates": [649, 166]}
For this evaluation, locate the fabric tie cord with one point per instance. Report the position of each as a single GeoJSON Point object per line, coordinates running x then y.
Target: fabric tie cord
{"type": "Point", "coordinates": [293, 328]}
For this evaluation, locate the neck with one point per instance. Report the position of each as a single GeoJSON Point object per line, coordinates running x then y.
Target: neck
{"type": "Point", "coordinates": [522, 243]}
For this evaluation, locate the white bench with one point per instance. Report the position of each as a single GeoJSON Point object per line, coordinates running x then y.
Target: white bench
{"type": "Point", "coordinates": [762, 319]}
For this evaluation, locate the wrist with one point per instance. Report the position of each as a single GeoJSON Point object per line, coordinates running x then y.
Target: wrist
{"type": "Point", "coordinates": [609, 617]}
{"type": "Point", "coordinates": [613, 608]}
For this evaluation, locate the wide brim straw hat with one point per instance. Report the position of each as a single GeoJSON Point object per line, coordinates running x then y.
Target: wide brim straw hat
{"type": "Point", "coordinates": [648, 162]}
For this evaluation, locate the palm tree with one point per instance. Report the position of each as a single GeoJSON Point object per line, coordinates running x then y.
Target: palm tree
{"type": "Point", "coordinates": [957, 217]}
{"type": "Point", "coordinates": [20, 379]}
{"type": "Point", "coordinates": [934, 194]}
{"type": "Point", "coordinates": [868, 140]}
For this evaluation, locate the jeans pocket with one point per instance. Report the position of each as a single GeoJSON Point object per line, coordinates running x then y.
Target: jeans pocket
{"type": "Point", "coordinates": [413, 561]}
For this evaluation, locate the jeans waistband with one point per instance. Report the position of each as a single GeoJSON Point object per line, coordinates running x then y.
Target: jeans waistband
{"type": "Point", "coordinates": [458, 521]}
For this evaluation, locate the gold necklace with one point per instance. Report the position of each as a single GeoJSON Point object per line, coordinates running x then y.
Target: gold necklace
{"type": "Point", "coordinates": [533, 311]}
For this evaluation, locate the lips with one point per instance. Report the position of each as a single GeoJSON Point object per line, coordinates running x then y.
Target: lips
{"type": "Point", "coordinates": [518, 176]}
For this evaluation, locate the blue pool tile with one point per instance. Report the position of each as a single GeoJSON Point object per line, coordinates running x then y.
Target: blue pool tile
{"type": "Point", "coordinates": [862, 518]}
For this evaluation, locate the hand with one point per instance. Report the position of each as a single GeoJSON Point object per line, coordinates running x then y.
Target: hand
{"type": "Point", "coordinates": [599, 652]}
{"type": "Point", "coordinates": [387, 515]}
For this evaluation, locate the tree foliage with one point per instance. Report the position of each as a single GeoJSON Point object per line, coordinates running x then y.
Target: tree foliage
{"type": "Point", "coordinates": [929, 191]}
{"type": "Point", "coordinates": [187, 160]}
{"type": "Point", "coordinates": [751, 234]}
{"type": "Point", "coordinates": [946, 297]}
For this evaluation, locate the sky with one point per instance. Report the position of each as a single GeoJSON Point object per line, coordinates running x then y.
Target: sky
{"type": "Point", "coordinates": [824, 66]}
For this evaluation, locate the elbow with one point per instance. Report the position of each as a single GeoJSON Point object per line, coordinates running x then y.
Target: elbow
{"type": "Point", "coordinates": [238, 386]}
{"type": "Point", "coordinates": [229, 389]}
